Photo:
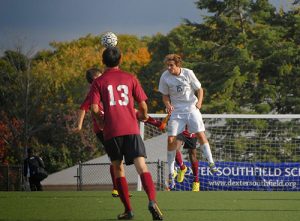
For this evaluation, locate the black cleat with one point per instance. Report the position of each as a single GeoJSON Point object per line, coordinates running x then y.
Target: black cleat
{"type": "Point", "coordinates": [155, 211]}
{"type": "Point", "coordinates": [126, 216]}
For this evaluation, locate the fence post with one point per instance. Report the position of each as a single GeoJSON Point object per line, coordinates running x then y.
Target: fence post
{"type": "Point", "coordinates": [21, 177]}
{"type": "Point", "coordinates": [80, 176]}
{"type": "Point", "coordinates": [7, 176]}
{"type": "Point", "coordinates": [77, 179]}
{"type": "Point", "coordinates": [158, 175]}
{"type": "Point", "coordinates": [162, 175]}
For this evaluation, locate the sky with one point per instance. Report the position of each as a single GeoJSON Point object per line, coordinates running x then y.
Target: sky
{"type": "Point", "coordinates": [36, 23]}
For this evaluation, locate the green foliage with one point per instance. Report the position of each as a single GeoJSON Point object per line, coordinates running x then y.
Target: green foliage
{"type": "Point", "coordinates": [41, 95]}
{"type": "Point", "coordinates": [248, 58]}
{"type": "Point", "coordinates": [245, 54]}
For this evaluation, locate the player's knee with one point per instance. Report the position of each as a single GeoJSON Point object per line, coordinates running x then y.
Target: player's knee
{"type": "Point", "coordinates": [172, 144]}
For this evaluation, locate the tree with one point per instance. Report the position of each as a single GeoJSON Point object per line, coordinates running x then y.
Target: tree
{"type": "Point", "coordinates": [179, 41]}
{"type": "Point", "coordinates": [14, 96]}
{"type": "Point", "coordinates": [41, 94]}
{"type": "Point", "coordinates": [246, 58]}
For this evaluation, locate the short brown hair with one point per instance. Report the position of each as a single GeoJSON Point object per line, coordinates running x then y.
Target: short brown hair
{"type": "Point", "coordinates": [174, 57]}
{"type": "Point", "coordinates": [91, 73]}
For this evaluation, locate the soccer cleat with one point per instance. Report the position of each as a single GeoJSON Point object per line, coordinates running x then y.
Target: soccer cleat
{"type": "Point", "coordinates": [212, 168]}
{"type": "Point", "coordinates": [196, 187]}
{"type": "Point", "coordinates": [171, 181]}
{"type": "Point", "coordinates": [155, 211]}
{"type": "Point", "coordinates": [126, 216]}
{"type": "Point", "coordinates": [172, 184]}
{"type": "Point", "coordinates": [115, 193]}
{"type": "Point", "coordinates": [174, 174]}
{"type": "Point", "coordinates": [180, 176]}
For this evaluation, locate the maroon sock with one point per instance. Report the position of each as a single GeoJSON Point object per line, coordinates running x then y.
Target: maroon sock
{"type": "Point", "coordinates": [195, 168]}
{"type": "Point", "coordinates": [148, 186]}
{"type": "Point", "coordinates": [123, 192]}
{"type": "Point", "coordinates": [179, 161]}
{"type": "Point", "coordinates": [113, 177]}
{"type": "Point", "coordinates": [153, 122]}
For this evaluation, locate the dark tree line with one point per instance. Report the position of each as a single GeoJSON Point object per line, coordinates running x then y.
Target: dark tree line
{"type": "Point", "coordinates": [245, 53]}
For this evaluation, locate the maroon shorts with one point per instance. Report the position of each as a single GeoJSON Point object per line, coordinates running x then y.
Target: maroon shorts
{"type": "Point", "coordinates": [189, 142]}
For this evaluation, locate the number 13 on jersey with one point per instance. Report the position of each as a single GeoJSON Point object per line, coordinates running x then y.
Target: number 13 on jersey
{"type": "Point", "coordinates": [122, 90]}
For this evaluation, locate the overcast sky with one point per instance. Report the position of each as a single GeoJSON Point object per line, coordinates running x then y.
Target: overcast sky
{"type": "Point", "coordinates": [37, 22]}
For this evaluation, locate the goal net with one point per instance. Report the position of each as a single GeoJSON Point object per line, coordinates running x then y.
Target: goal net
{"type": "Point", "coordinates": [251, 152]}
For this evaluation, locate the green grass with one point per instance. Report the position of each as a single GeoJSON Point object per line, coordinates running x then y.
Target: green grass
{"type": "Point", "coordinates": [176, 206]}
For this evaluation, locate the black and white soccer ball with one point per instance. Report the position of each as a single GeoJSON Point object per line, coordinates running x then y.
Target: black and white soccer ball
{"type": "Point", "coordinates": [109, 39]}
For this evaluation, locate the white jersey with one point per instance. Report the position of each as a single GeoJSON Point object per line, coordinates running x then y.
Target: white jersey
{"type": "Point", "coordinates": [181, 90]}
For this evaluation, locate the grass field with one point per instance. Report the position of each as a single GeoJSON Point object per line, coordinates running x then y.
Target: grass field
{"type": "Point", "coordinates": [176, 206]}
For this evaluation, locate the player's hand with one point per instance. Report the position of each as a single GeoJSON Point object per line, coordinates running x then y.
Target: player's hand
{"type": "Point", "coordinates": [141, 116]}
{"type": "Point", "coordinates": [169, 109]}
{"type": "Point", "coordinates": [100, 120]}
{"type": "Point", "coordinates": [198, 105]}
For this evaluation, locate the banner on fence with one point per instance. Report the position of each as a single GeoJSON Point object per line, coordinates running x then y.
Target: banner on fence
{"type": "Point", "coordinates": [246, 176]}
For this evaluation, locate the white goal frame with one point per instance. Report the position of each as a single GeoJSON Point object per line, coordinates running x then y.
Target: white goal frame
{"type": "Point", "coordinates": [248, 173]}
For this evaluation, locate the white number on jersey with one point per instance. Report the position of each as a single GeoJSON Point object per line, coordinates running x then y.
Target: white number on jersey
{"type": "Point", "coordinates": [123, 89]}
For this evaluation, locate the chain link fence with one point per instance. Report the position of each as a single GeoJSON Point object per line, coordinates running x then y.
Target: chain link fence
{"type": "Point", "coordinates": [97, 176]}
{"type": "Point", "coordinates": [11, 177]}
{"type": "Point", "coordinates": [89, 176]}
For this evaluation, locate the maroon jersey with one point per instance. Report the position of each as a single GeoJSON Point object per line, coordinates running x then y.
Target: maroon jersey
{"type": "Point", "coordinates": [117, 90]}
{"type": "Point", "coordinates": [86, 106]}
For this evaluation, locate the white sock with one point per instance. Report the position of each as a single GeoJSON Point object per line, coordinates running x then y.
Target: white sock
{"type": "Point", "coordinates": [171, 160]}
{"type": "Point", "coordinates": [207, 152]}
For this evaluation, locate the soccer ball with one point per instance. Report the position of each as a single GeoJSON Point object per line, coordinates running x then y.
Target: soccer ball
{"type": "Point", "coordinates": [109, 39]}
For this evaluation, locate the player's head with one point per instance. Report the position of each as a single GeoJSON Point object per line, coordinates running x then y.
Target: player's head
{"type": "Point", "coordinates": [175, 58]}
{"type": "Point", "coordinates": [92, 74]}
{"type": "Point", "coordinates": [111, 57]}
{"type": "Point", "coordinates": [29, 151]}
{"type": "Point", "coordinates": [173, 63]}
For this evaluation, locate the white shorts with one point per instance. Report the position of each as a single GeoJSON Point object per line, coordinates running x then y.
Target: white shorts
{"type": "Point", "coordinates": [193, 121]}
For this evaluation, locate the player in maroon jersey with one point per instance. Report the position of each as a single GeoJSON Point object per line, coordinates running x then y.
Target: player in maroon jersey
{"type": "Point", "coordinates": [118, 91]}
{"type": "Point", "coordinates": [92, 74]}
{"type": "Point", "coordinates": [189, 142]}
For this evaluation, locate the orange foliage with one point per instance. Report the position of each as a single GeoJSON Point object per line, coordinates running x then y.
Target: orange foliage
{"type": "Point", "coordinates": [133, 61]}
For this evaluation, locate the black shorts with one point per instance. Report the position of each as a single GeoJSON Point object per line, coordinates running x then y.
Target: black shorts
{"type": "Point", "coordinates": [128, 146]}
{"type": "Point", "coordinates": [189, 142]}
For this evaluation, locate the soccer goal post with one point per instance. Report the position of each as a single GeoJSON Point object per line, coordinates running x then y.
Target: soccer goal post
{"type": "Point", "coordinates": [251, 152]}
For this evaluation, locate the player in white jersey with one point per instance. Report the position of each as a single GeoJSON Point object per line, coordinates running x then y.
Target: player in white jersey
{"type": "Point", "coordinates": [182, 95]}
